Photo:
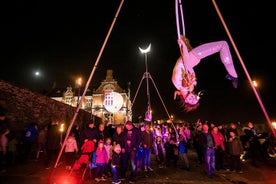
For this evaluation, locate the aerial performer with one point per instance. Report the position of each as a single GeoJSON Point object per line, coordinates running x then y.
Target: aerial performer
{"type": "Point", "coordinates": [184, 77]}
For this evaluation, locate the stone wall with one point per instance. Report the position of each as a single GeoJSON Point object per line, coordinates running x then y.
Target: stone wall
{"type": "Point", "coordinates": [23, 107]}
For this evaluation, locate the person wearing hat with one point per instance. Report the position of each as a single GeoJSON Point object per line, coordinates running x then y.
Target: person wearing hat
{"type": "Point", "coordinates": [131, 139]}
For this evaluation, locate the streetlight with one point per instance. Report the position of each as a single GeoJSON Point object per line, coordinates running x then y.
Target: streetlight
{"type": "Point", "coordinates": [145, 52]}
{"type": "Point", "coordinates": [61, 129]}
{"type": "Point", "coordinates": [274, 124]}
{"type": "Point", "coordinates": [79, 82]}
{"type": "Point", "coordinates": [256, 85]}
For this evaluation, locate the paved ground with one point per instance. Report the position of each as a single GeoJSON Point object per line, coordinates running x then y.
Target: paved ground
{"type": "Point", "coordinates": [33, 172]}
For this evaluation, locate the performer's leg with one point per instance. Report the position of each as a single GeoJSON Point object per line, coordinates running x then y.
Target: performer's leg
{"type": "Point", "coordinates": [222, 47]}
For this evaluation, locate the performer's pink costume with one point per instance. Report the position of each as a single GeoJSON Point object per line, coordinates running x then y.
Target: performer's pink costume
{"type": "Point", "coordinates": [184, 78]}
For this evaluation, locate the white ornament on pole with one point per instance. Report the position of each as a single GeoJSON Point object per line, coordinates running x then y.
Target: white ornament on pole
{"type": "Point", "coordinates": [113, 102]}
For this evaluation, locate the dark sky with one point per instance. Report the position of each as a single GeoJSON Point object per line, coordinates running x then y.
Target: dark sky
{"type": "Point", "coordinates": [63, 40]}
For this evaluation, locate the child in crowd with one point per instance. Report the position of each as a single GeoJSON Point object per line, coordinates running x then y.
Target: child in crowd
{"type": "Point", "coordinates": [183, 153]}
{"type": "Point", "coordinates": [235, 151]}
{"type": "Point", "coordinates": [101, 161]}
{"type": "Point", "coordinates": [140, 157]}
{"type": "Point", "coordinates": [108, 147]}
{"type": "Point", "coordinates": [115, 164]}
{"type": "Point", "coordinates": [172, 152]}
{"type": "Point", "coordinates": [159, 151]}
{"type": "Point", "coordinates": [71, 148]}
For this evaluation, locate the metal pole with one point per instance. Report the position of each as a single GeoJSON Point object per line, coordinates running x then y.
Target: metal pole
{"type": "Point", "coordinates": [245, 70]}
{"type": "Point", "coordinates": [147, 79]}
{"type": "Point", "coordinates": [88, 82]}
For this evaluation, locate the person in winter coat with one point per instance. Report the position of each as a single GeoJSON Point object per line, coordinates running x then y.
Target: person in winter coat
{"type": "Point", "coordinates": [70, 151]}
{"type": "Point", "coordinates": [147, 143]}
{"type": "Point", "coordinates": [29, 138]}
{"type": "Point", "coordinates": [101, 161]}
{"type": "Point", "coordinates": [183, 153]}
{"type": "Point", "coordinates": [235, 151]}
{"type": "Point", "coordinates": [159, 151]}
{"type": "Point", "coordinates": [131, 139]}
{"type": "Point", "coordinates": [219, 148]}
{"type": "Point", "coordinates": [116, 164]}
{"type": "Point", "coordinates": [53, 143]}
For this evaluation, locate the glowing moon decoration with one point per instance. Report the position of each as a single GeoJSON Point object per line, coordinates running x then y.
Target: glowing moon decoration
{"type": "Point", "coordinates": [144, 51]}
{"type": "Point", "coordinates": [115, 102]}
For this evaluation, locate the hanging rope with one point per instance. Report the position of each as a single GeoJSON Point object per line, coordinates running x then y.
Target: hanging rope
{"type": "Point", "coordinates": [178, 7]}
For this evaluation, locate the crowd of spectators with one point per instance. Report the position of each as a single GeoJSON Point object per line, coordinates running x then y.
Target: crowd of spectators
{"type": "Point", "coordinates": [110, 151]}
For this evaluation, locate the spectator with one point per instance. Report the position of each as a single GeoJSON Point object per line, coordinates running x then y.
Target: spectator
{"type": "Point", "coordinates": [52, 143]}
{"type": "Point", "coordinates": [70, 151]}
{"type": "Point", "coordinates": [140, 158]}
{"type": "Point", "coordinates": [130, 142]}
{"type": "Point", "coordinates": [165, 132]}
{"type": "Point", "coordinates": [41, 141]}
{"type": "Point", "coordinates": [76, 131]}
{"type": "Point", "coordinates": [88, 133]}
{"type": "Point", "coordinates": [235, 151]}
{"type": "Point", "coordinates": [147, 142]}
{"type": "Point", "coordinates": [233, 128]}
{"type": "Point", "coordinates": [116, 163]}
{"type": "Point", "coordinates": [159, 151]}
{"type": "Point", "coordinates": [197, 144]}
{"type": "Point", "coordinates": [219, 148]}
{"type": "Point", "coordinates": [108, 146]}
{"type": "Point", "coordinates": [117, 136]}
{"type": "Point", "coordinates": [101, 132]}
{"type": "Point", "coordinates": [252, 138]}
{"type": "Point", "coordinates": [208, 145]}
{"type": "Point", "coordinates": [101, 161]}
{"type": "Point", "coordinates": [222, 131]}
{"type": "Point", "coordinates": [183, 153]}
{"type": "Point", "coordinates": [172, 153]}
{"type": "Point", "coordinates": [29, 138]}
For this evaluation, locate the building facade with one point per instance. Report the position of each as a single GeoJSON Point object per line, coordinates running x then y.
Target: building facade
{"type": "Point", "coordinates": [109, 101]}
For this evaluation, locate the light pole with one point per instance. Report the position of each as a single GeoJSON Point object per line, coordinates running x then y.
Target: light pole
{"type": "Point", "coordinates": [145, 52]}
{"type": "Point", "coordinates": [79, 82]}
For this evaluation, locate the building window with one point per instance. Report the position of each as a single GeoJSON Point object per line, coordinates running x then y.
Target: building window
{"type": "Point", "coordinates": [109, 97]}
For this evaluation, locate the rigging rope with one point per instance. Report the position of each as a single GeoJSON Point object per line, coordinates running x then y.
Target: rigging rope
{"type": "Point", "coordinates": [178, 7]}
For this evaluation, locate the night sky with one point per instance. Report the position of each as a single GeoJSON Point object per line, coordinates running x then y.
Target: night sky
{"type": "Point", "coordinates": [63, 39]}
